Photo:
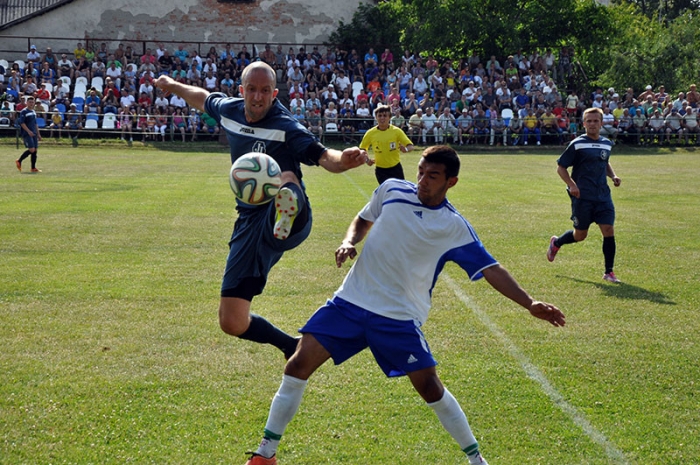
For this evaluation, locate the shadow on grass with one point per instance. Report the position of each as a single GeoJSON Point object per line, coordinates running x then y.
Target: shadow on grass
{"type": "Point", "coordinates": [626, 291]}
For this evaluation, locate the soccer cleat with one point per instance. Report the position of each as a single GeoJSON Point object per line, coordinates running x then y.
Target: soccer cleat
{"type": "Point", "coordinates": [260, 460]}
{"type": "Point", "coordinates": [552, 250]}
{"type": "Point", "coordinates": [18, 164]}
{"type": "Point", "coordinates": [287, 205]}
{"type": "Point", "coordinates": [611, 278]}
{"type": "Point", "coordinates": [477, 460]}
{"type": "Point", "coordinates": [36, 170]}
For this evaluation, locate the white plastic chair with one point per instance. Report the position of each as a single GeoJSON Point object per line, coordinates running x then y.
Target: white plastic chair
{"type": "Point", "coordinates": [5, 64]}
{"type": "Point", "coordinates": [507, 115]}
{"type": "Point", "coordinates": [20, 63]}
{"type": "Point", "coordinates": [331, 127]}
{"type": "Point", "coordinates": [81, 80]}
{"type": "Point", "coordinates": [357, 87]}
{"type": "Point", "coordinates": [90, 124]}
{"type": "Point", "coordinates": [97, 83]}
{"type": "Point", "coordinates": [109, 121]}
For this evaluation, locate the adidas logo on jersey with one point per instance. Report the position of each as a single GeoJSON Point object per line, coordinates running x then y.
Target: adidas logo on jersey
{"type": "Point", "coordinates": [418, 213]}
{"type": "Point", "coordinates": [412, 359]}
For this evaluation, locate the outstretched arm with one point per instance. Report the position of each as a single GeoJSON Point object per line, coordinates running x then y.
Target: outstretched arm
{"type": "Point", "coordinates": [503, 282]}
{"type": "Point", "coordinates": [357, 231]}
{"type": "Point", "coordinates": [336, 161]}
{"type": "Point", "coordinates": [194, 96]}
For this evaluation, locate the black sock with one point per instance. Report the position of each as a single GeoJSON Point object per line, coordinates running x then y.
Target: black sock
{"type": "Point", "coordinates": [264, 332]}
{"type": "Point", "coordinates": [24, 155]}
{"type": "Point", "coordinates": [34, 159]}
{"type": "Point", "coordinates": [566, 238]}
{"type": "Point", "coordinates": [609, 249]}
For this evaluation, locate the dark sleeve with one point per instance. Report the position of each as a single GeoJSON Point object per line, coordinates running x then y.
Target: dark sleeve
{"type": "Point", "coordinates": [313, 153]}
{"type": "Point", "coordinates": [567, 158]}
{"type": "Point", "coordinates": [212, 105]}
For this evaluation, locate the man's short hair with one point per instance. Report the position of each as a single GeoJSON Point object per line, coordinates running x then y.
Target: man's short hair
{"type": "Point", "coordinates": [382, 108]}
{"type": "Point", "coordinates": [443, 155]}
{"type": "Point", "coordinates": [593, 110]}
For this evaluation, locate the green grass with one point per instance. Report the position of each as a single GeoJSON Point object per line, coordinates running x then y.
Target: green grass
{"type": "Point", "coordinates": [110, 350]}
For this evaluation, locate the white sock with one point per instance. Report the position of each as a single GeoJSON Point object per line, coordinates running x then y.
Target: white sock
{"type": "Point", "coordinates": [284, 406]}
{"type": "Point", "coordinates": [455, 422]}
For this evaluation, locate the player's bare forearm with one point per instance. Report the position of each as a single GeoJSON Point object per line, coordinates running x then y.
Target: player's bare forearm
{"type": "Point", "coordinates": [503, 282]}
{"type": "Point", "coordinates": [356, 232]}
{"type": "Point", "coordinates": [336, 161]}
{"type": "Point", "coordinates": [194, 96]}
{"type": "Point", "coordinates": [611, 174]}
{"type": "Point", "coordinates": [566, 177]}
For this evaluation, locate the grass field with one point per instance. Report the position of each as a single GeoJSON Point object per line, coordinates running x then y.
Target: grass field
{"type": "Point", "coordinates": [110, 350]}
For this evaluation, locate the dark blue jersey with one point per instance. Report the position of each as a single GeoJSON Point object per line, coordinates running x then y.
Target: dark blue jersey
{"type": "Point", "coordinates": [278, 134]}
{"type": "Point", "coordinates": [589, 159]}
{"type": "Point", "coordinates": [28, 117]}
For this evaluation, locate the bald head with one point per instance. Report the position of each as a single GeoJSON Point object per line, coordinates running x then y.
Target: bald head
{"type": "Point", "coordinates": [258, 67]}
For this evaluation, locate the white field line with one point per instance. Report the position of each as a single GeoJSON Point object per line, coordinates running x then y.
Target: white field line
{"type": "Point", "coordinates": [613, 453]}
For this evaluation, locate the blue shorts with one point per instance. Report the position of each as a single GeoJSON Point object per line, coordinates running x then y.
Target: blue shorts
{"type": "Point", "coordinates": [253, 250]}
{"type": "Point", "coordinates": [31, 142]}
{"type": "Point", "coordinates": [585, 212]}
{"type": "Point", "coordinates": [344, 329]}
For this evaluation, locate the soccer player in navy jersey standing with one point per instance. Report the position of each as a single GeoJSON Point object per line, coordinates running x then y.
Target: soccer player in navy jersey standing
{"type": "Point", "coordinates": [411, 231]}
{"type": "Point", "coordinates": [591, 201]}
{"type": "Point", "coordinates": [258, 122]}
{"type": "Point", "coordinates": [30, 134]}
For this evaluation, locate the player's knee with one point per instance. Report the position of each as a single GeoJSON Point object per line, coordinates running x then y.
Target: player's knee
{"type": "Point", "coordinates": [580, 235]}
{"type": "Point", "coordinates": [231, 323]}
{"type": "Point", "coordinates": [232, 326]}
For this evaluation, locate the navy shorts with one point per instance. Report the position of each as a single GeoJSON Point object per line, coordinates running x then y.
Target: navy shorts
{"type": "Point", "coordinates": [585, 212]}
{"type": "Point", "coordinates": [344, 329]}
{"type": "Point", "coordinates": [31, 142]}
{"type": "Point", "coordinates": [253, 250]}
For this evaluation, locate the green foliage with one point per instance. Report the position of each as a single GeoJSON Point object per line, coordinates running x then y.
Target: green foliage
{"type": "Point", "coordinates": [663, 10]}
{"type": "Point", "coordinates": [649, 52]}
{"type": "Point", "coordinates": [370, 27]}
{"type": "Point", "coordinates": [622, 45]}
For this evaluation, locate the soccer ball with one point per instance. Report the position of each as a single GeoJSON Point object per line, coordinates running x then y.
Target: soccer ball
{"type": "Point", "coordinates": [255, 178]}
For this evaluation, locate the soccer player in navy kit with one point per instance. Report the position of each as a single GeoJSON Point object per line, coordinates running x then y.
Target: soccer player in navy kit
{"type": "Point", "coordinates": [411, 231]}
{"type": "Point", "coordinates": [30, 135]}
{"type": "Point", "coordinates": [591, 201]}
{"type": "Point", "coordinates": [258, 122]}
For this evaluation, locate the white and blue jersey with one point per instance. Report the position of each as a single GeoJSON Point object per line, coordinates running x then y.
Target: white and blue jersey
{"type": "Point", "coordinates": [278, 134]}
{"type": "Point", "coordinates": [589, 159]}
{"type": "Point", "coordinates": [406, 250]}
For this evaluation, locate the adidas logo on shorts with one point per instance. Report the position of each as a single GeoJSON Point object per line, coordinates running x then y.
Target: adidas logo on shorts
{"type": "Point", "coordinates": [412, 359]}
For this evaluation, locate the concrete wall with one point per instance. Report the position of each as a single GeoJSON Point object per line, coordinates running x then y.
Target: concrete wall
{"type": "Point", "coordinates": [259, 22]}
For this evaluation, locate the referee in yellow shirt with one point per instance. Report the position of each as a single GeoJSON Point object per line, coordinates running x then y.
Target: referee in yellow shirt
{"type": "Point", "coordinates": [387, 142]}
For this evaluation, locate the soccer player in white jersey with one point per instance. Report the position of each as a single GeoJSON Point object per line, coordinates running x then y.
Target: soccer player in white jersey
{"type": "Point", "coordinates": [591, 201]}
{"type": "Point", "coordinates": [411, 231]}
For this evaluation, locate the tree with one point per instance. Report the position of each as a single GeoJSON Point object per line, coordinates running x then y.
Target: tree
{"type": "Point", "coordinates": [663, 10]}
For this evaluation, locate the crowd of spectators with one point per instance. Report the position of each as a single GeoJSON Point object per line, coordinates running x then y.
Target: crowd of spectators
{"type": "Point", "coordinates": [521, 99]}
